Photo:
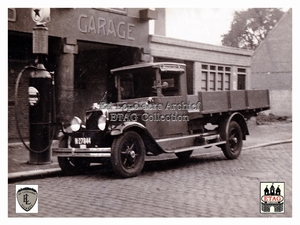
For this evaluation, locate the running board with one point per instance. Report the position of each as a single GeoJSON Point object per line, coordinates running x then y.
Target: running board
{"type": "Point", "coordinates": [190, 142]}
{"type": "Point", "coordinates": [192, 148]}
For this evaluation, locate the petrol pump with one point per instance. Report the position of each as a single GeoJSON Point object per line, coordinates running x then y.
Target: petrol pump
{"type": "Point", "coordinates": [40, 93]}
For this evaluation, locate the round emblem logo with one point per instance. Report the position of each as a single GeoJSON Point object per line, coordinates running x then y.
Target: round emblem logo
{"type": "Point", "coordinates": [40, 15]}
{"type": "Point", "coordinates": [34, 96]}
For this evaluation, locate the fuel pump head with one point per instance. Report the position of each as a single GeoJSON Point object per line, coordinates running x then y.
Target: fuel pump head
{"type": "Point", "coordinates": [41, 72]}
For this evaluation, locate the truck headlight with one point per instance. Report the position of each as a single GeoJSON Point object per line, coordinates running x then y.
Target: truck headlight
{"type": "Point", "coordinates": [102, 122]}
{"type": "Point", "coordinates": [75, 124]}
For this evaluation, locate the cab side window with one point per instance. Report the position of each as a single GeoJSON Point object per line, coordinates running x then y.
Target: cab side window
{"type": "Point", "coordinates": [170, 82]}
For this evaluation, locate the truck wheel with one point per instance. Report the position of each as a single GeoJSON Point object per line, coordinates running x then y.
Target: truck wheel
{"type": "Point", "coordinates": [128, 154]}
{"type": "Point", "coordinates": [184, 155]}
{"type": "Point", "coordinates": [71, 165]}
{"type": "Point", "coordinates": [234, 141]}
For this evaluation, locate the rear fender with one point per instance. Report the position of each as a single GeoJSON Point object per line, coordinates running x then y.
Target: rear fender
{"type": "Point", "coordinates": [237, 117]}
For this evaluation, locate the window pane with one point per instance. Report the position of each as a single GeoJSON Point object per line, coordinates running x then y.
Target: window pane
{"type": "Point", "coordinates": [220, 81]}
{"type": "Point", "coordinates": [204, 81]}
{"type": "Point", "coordinates": [227, 81]}
{"type": "Point", "coordinates": [241, 70]}
{"type": "Point", "coordinates": [212, 81]}
{"type": "Point", "coordinates": [204, 67]}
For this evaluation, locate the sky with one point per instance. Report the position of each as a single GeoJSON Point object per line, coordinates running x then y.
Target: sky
{"type": "Point", "coordinates": [205, 25]}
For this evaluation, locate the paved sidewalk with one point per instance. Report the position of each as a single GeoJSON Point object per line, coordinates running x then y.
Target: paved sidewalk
{"type": "Point", "coordinates": [18, 155]}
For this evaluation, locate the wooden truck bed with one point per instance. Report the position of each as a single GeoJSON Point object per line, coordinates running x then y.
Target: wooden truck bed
{"type": "Point", "coordinates": [227, 101]}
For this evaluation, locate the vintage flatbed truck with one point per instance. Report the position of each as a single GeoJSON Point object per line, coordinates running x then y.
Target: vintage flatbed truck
{"type": "Point", "coordinates": [153, 114]}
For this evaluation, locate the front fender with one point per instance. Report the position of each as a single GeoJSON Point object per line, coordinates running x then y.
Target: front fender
{"type": "Point", "coordinates": [149, 141]}
{"type": "Point", "coordinates": [119, 129]}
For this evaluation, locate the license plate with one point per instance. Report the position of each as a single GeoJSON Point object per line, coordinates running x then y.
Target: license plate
{"type": "Point", "coordinates": [83, 141]}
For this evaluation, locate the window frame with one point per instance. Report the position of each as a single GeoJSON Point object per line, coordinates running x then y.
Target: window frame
{"type": "Point", "coordinates": [215, 77]}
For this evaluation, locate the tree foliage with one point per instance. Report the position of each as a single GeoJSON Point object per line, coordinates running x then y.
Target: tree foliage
{"type": "Point", "coordinates": [249, 28]}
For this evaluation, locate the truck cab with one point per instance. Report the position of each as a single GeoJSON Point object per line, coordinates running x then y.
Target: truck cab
{"type": "Point", "coordinates": [152, 114]}
{"type": "Point", "coordinates": [157, 89]}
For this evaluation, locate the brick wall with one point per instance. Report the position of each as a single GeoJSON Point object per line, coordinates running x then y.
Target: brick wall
{"type": "Point", "coordinates": [272, 61]}
{"type": "Point", "coordinates": [23, 104]}
{"type": "Point", "coordinates": [272, 66]}
{"type": "Point", "coordinates": [281, 102]}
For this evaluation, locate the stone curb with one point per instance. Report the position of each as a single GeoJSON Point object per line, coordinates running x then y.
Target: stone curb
{"type": "Point", "coordinates": [52, 171]}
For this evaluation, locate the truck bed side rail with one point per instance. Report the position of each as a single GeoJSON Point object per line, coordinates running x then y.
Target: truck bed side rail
{"type": "Point", "coordinates": [226, 101]}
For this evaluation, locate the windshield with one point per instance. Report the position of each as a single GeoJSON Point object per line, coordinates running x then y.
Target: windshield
{"type": "Point", "coordinates": [144, 83]}
{"type": "Point", "coordinates": [137, 85]}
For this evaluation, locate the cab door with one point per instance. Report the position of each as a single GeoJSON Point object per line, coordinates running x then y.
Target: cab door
{"type": "Point", "coordinates": [173, 118]}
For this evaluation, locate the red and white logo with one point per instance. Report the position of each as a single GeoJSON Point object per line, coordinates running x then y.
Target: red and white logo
{"type": "Point", "coordinates": [272, 197]}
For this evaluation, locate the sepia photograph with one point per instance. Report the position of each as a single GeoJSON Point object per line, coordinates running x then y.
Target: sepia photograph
{"type": "Point", "coordinates": [150, 111]}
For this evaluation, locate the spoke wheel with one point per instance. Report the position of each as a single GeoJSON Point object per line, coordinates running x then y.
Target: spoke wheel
{"type": "Point", "coordinates": [234, 141]}
{"type": "Point", "coordinates": [71, 165]}
{"type": "Point", "coordinates": [128, 154]}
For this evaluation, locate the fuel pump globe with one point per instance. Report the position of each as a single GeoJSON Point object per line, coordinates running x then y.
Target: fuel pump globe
{"type": "Point", "coordinates": [40, 16]}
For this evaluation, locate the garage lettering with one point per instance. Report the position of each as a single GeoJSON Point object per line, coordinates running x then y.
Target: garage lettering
{"type": "Point", "coordinates": [103, 26]}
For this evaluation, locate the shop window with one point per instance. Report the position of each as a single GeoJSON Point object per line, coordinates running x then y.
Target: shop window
{"type": "Point", "coordinates": [215, 77]}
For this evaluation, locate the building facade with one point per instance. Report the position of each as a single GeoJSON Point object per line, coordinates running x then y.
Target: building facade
{"type": "Point", "coordinates": [271, 66]}
{"type": "Point", "coordinates": [83, 46]}
{"type": "Point", "coordinates": [209, 67]}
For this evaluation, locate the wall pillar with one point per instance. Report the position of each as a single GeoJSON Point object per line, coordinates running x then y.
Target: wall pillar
{"type": "Point", "coordinates": [65, 80]}
{"type": "Point", "coordinates": [234, 79]}
{"type": "Point", "coordinates": [197, 78]}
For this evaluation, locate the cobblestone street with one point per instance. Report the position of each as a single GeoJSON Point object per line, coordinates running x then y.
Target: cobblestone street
{"type": "Point", "coordinates": [205, 186]}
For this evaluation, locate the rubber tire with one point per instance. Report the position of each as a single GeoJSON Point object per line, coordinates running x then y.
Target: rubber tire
{"type": "Point", "coordinates": [184, 155]}
{"type": "Point", "coordinates": [234, 131]}
{"type": "Point", "coordinates": [119, 160]}
{"type": "Point", "coordinates": [71, 165]}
